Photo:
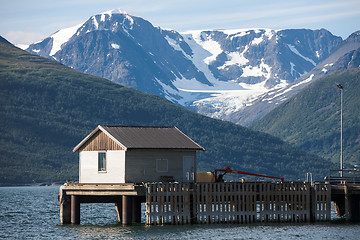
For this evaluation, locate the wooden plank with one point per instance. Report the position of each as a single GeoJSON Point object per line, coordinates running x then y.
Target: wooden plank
{"type": "Point", "coordinates": [100, 141]}
{"type": "Point", "coordinates": [328, 202]}
{"type": "Point", "coordinates": [100, 187]}
{"type": "Point", "coordinates": [102, 193]}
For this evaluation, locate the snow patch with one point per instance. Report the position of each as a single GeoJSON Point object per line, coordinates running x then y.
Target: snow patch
{"type": "Point", "coordinates": [103, 18]}
{"type": "Point", "coordinates": [257, 41]}
{"type": "Point", "coordinates": [168, 91]}
{"type": "Point", "coordinates": [208, 44]}
{"type": "Point", "coordinates": [114, 11]}
{"type": "Point", "coordinates": [22, 46]}
{"type": "Point", "coordinates": [173, 43]}
{"type": "Point", "coordinates": [199, 56]}
{"type": "Point", "coordinates": [257, 71]}
{"type": "Point", "coordinates": [115, 46]}
{"type": "Point", "coordinates": [292, 70]}
{"type": "Point", "coordinates": [62, 36]}
{"type": "Point", "coordinates": [235, 58]}
{"type": "Point", "coordinates": [290, 88]}
{"type": "Point", "coordinates": [95, 23]}
{"type": "Point", "coordinates": [269, 33]}
{"type": "Point", "coordinates": [324, 70]}
{"type": "Point", "coordinates": [294, 50]}
{"type": "Point", "coordinates": [131, 20]}
{"type": "Point", "coordinates": [234, 33]}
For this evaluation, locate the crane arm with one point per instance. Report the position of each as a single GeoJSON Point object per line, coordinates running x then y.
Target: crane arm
{"type": "Point", "coordinates": [229, 170]}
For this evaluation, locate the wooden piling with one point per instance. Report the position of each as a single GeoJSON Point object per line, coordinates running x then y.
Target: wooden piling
{"type": "Point", "coordinates": [75, 209]}
{"type": "Point", "coordinates": [118, 208]}
{"type": "Point", "coordinates": [136, 209]}
{"type": "Point", "coordinates": [355, 202]}
{"type": "Point", "coordinates": [347, 202]}
{"type": "Point", "coordinates": [65, 208]}
{"type": "Point", "coordinates": [127, 211]}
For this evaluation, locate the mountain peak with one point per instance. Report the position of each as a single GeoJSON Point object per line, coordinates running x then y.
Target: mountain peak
{"type": "Point", "coordinates": [354, 36]}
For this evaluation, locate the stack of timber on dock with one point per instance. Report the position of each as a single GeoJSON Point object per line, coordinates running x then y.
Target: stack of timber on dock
{"type": "Point", "coordinates": [206, 203]}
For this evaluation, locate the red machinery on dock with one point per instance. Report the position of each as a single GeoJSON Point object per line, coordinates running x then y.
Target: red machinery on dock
{"type": "Point", "coordinates": [219, 177]}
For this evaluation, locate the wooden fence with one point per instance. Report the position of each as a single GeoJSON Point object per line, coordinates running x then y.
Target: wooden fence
{"type": "Point", "coordinates": [168, 203]}
{"type": "Point", "coordinates": [207, 203]}
{"type": "Point", "coordinates": [322, 202]}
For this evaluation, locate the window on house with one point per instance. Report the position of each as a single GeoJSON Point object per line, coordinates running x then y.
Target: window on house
{"type": "Point", "coordinates": [161, 165]}
{"type": "Point", "coordinates": [102, 162]}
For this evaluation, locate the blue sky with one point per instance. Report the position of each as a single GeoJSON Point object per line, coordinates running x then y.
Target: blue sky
{"type": "Point", "coordinates": [25, 21]}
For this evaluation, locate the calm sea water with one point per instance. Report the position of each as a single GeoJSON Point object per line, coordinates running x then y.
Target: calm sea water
{"type": "Point", "coordinates": [33, 213]}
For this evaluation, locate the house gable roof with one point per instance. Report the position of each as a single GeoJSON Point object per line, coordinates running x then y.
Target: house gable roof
{"type": "Point", "coordinates": [145, 138]}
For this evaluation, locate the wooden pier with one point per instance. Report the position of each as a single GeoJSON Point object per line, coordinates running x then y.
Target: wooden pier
{"type": "Point", "coordinates": [211, 203]}
{"type": "Point", "coordinates": [208, 203]}
{"type": "Point", "coordinates": [127, 198]}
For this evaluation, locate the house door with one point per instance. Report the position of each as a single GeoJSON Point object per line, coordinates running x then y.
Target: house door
{"type": "Point", "coordinates": [188, 169]}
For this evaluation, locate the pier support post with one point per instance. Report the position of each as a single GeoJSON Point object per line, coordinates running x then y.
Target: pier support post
{"type": "Point", "coordinates": [309, 205]}
{"type": "Point", "coordinates": [75, 209]}
{"type": "Point", "coordinates": [136, 209]}
{"type": "Point", "coordinates": [65, 209]}
{"type": "Point", "coordinates": [355, 207]}
{"type": "Point", "coordinates": [347, 203]}
{"type": "Point", "coordinates": [312, 204]}
{"type": "Point", "coordinates": [193, 214]}
{"type": "Point", "coordinates": [126, 210]}
{"type": "Point", "coordinates": [118, 208]}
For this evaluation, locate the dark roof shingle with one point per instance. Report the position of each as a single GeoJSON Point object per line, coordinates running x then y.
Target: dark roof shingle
{"type": "Point", "coordinates": [149, 138]}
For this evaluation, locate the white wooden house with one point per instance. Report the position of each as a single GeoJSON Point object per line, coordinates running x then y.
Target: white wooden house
{"type": "Point", "coordinates": [122, 154]}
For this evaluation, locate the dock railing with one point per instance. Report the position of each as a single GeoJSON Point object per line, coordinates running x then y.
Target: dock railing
{"type": "Point", "coordinates": [348, 175]}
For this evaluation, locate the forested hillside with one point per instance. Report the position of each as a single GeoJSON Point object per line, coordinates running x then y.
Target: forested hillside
{"type": "Point", "coordinates": [311, 119]}
{"type": "Point", "coordinates": [47, 108]}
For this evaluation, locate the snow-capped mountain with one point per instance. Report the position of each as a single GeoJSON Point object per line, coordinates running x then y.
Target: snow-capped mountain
{"type": "Point", "coordinates": [344, 56]}
{"type": "Point", "coordinates": [219, 73]}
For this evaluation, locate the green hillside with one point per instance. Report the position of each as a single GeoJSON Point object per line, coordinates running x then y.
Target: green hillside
{"type": "Point", "coordinates": [47, 108]}
{"type": "Point", "coordinates": [311, 119]}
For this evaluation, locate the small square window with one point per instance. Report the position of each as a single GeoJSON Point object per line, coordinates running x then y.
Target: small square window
{"type": "Point", "coordinates": [102, 162]}
{"type": "Point", "coordinates": [161, 165]}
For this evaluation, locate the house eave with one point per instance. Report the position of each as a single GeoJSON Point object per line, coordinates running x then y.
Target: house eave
{"type": "Point", "coordinates": [168, 149]}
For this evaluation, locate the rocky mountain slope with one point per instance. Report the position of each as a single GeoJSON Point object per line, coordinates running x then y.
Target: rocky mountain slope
{"type": "Point", "coordinates": [218, 73]}
{"type": "Point", "coordinates": [345, 56]}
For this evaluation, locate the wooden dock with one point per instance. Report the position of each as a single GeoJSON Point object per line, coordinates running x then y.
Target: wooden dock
{"type": "Point", "coordinates": [212, 203]}
{"type": "Point", "coordinates": [208, 203]}
{"type": "Point", "coordinates": [127, 198]}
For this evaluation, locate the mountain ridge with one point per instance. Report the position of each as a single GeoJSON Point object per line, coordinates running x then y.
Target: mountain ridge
{"type": "Point", "coordinates": [216, 73]}
{"type": "Point", "coordinates": [345, 56]}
